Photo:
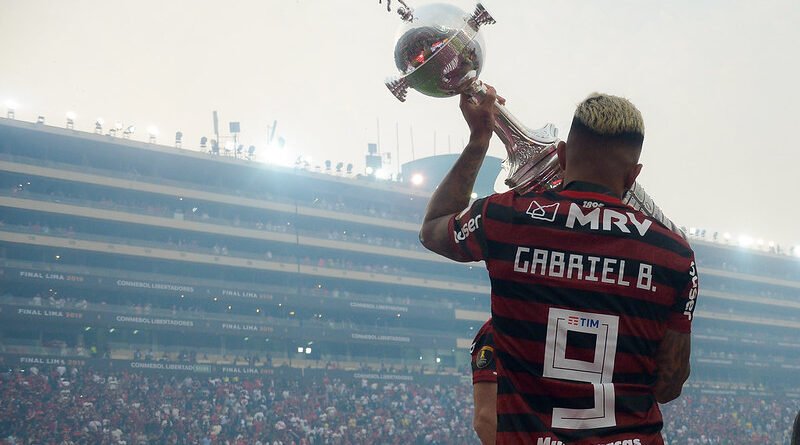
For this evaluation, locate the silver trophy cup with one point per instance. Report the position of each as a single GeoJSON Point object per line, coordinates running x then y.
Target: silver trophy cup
{"type": "Point", "coordinates": [440, 53]}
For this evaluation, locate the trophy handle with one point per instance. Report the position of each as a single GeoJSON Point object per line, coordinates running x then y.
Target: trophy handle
{"type": "Point", "coordinates": [531, 161]}
{"type": "Point", "coordinates": [638, 198]}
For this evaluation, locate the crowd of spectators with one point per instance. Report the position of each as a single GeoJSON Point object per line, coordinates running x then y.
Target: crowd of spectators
{"type": "Point", "coordinates": [61, 406]}
{"type": "Point", "coordinates": [722, 419]}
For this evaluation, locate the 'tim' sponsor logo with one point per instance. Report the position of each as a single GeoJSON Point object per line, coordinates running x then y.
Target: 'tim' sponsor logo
{"type": "Point", "coordinates": [585, 322]}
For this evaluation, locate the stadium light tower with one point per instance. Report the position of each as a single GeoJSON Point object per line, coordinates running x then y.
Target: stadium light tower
{"type": "Point", "coordinates": [11, 108]}
{"type": "Point", "coordinates": [152, 131]}
{"type": "Point", "coordinates": [71, 120]}
{"type": "Point", "coordinates": [115, 129]}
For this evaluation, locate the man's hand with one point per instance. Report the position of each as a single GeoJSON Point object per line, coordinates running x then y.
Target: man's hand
{"type": "Point", "coordinates": [479, 112]}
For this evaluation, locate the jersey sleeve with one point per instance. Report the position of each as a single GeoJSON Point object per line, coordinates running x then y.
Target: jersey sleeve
{"type": "Point", "coordinates": [686, 300]}
{"type": "Point", "coordinates": [467, 231]}
{"type": "Point", "coordinates": [484, 365]}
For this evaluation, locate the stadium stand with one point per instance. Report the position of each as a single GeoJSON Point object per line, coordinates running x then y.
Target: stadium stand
{"type": "Point", "coordinates": [148, 290]}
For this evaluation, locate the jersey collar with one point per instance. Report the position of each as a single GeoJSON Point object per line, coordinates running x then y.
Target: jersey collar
{"type": "Point", "coordinates": [588, 188]}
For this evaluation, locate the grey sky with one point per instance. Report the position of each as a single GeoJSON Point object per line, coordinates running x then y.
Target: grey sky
{"type": "Point", "coordinates": [717, 83]}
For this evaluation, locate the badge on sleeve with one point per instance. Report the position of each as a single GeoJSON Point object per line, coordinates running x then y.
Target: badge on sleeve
{"type": "Point", "coordinates": [485, 355]}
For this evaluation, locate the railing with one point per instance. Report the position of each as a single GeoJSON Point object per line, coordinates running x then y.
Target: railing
{"type": "Point", "coordinates": [61, 233]}
{"type": "Point", "coordinates": [218, 356]}
{"type": "Point", "coordinates": [178, 184]}
{"type": "Point", "coordinates": [292, 292]}
{"type": "Point", "coordinates": [188, 216]}
{"type": "Point", "coordinates": [231, 318]}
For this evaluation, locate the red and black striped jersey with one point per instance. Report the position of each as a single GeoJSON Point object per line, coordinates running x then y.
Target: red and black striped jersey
{"type": "Point", "coordinates": [484, 368]}
{"type": "Point", "coordinates": [583, 290]}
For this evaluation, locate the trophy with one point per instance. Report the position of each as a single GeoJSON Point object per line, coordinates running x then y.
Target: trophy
{"type": "Point", "coordinates": [440, 53]}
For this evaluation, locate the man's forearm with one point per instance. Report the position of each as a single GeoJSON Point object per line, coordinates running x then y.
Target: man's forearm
{"type": "Point", "coordinates": [453, 193]}
{"type": "Point", "coordinates": [672, 359]}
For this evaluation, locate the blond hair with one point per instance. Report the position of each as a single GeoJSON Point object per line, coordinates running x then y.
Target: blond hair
{"type": "Point", "coordinates": [608, 115]}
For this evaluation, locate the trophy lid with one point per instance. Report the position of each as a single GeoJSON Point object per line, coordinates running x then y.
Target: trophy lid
{"type": "Point", "coordinates": [439, 48]}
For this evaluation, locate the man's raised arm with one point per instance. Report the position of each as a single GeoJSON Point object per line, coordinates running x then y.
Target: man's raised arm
{"type": "Point", "coordinates": [453, 194]}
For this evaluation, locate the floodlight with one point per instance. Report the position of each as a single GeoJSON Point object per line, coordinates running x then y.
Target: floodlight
{"type": "Point", "coordinates": [178, 139]}
{"type": "Point", "coordinates": [382, 173]}
{"type": "Point", "coordinates": [98, 125]}
{"type": "Point", "coordinates": [129, 131]}
{"type": "Point", "coordinates": [300, 349]}
{"type": "Point", "coordinates": [40, 120]}
{"type": "Point", "coordinates": [417, 179]}
{"type": "Point", "coordinates": [203, 142]}
{"type": "Point", "coordinates": [370, 170]}
{"type": "Point", "coordinates": [11, 106]}
{"type": "Point", "coordinates": [745, 241]}
{"type": "Point", "coordinates": [251, 151]}
{"type": "Point", "coordinates": [70, 120]}
{"type": "Point", "coordinates": [339, 167]}
{"type": "Point", "coordinates": [473, 195]}
{"type": "Point", "coordinates": [327, 164]}
{"type": "Point", "coordinates": [308, 350]}
{"type": "Point", "coordinates": [349, 169]}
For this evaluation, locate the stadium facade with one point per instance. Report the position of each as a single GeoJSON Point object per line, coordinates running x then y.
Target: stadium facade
{"type": "Point", "coordinates": [124, 255]}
